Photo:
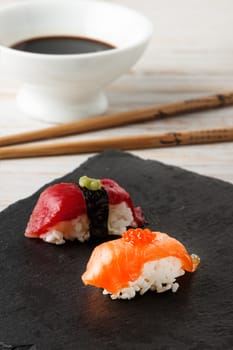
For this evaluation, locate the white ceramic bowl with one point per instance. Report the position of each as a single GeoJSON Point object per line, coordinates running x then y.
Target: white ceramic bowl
{"type": "Point", "coordinates": [61, 88]}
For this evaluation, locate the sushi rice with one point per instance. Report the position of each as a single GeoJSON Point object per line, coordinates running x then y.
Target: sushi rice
{"type": "Point", "coordinates": [74, 229]}
{"type": "Point", "coordinates": [158, 275]}
{"type": "Point", "coordinates": [119, 218]}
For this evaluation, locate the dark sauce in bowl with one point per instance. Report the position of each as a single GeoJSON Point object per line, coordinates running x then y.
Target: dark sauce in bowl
{"type": "Point", "coordinates": [62, 45]}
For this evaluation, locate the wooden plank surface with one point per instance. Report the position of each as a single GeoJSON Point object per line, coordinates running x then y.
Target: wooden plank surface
{"type": "Point", "coordinates": [190, 54]}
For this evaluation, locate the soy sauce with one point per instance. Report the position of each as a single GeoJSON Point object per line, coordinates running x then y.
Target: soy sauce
{"type": "Point", "coordinates": [61, 45]}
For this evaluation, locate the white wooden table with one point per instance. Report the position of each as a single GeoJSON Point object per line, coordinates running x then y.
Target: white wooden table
{"type": "Point", "coordinates": [190, 54]}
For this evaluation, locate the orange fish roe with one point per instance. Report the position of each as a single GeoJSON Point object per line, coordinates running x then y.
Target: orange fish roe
{"type": "Point", "coordinates": [138, 236]}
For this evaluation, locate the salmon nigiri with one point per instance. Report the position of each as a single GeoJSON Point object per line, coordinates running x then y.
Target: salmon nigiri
{"type": "Point", "coordinates": [138, 261]}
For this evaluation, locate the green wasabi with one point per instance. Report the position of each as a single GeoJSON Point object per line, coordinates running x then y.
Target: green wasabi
{"type": "Point", "coordinates": [90, 183]}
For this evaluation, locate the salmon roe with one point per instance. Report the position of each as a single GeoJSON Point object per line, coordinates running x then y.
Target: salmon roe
{"type": "Point", "coordinates": [138, 236]}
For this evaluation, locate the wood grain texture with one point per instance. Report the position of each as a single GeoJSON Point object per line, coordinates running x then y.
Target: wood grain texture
{"type": "Point", "coordinates": [190, 55]}
{"type": "Point", "coordinates": [107, 121]}
{"type": "Point", "coordinates": [129, 142]}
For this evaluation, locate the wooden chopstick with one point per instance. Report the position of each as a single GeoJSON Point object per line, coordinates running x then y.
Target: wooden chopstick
{"type": "Point", "coordinates": [121, 118]}
{"type": "Point", "coordinates": [122, 143]}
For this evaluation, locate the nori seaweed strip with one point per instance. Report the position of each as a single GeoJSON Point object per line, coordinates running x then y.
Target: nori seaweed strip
{"type": "Point", "coordinates": [97, 211]}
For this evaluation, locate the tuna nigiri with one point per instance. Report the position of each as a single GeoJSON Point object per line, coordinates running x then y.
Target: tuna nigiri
{"type": "Point", "coordinates": [68, 211]}
{"type": "Point", "coordinates": [138, 261]}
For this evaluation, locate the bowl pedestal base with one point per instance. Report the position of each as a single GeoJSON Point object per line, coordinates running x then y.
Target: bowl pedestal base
{"type": "Point", "coordinates": [59, 106]}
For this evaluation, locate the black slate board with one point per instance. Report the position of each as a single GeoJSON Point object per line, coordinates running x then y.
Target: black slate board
{"type": "Point", "coordinates": [43, 301]}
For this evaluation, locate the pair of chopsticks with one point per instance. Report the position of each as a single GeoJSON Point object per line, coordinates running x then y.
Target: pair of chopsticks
{"type": "Point", "coordinates": [120, 119]}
